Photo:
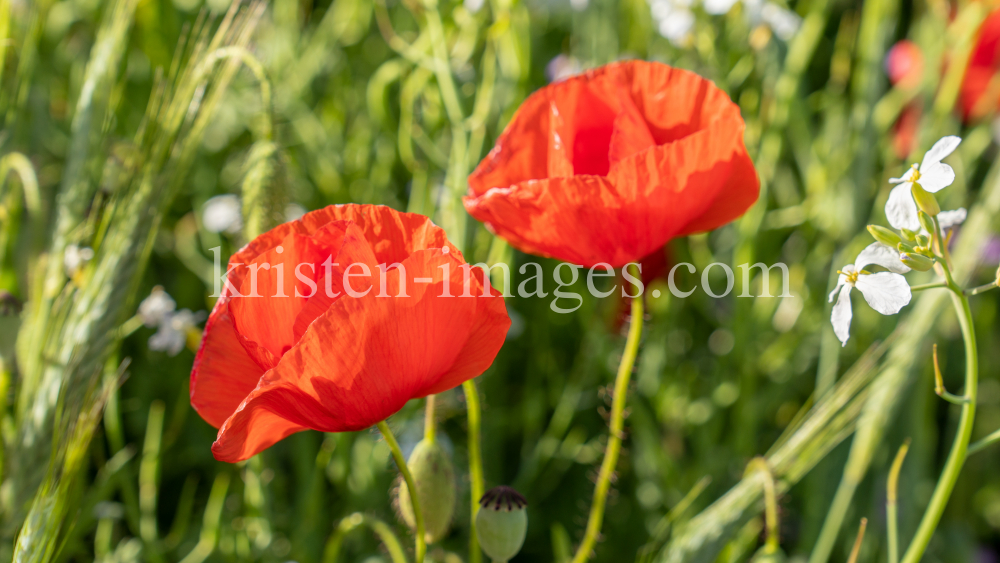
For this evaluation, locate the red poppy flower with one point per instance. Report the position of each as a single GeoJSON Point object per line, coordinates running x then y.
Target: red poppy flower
{"type": "Point", "coordinates": [980, 93]}
{"type": "Point", "coordinates": [324, 346]}
{"type": "Point", "coordinates": [609, 165]}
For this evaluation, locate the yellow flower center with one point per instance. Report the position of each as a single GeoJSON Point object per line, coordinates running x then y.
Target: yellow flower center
{"type": "Point", "coordinates": [916, 173]}
{"type": "Point", "coordinates": [852, 277]}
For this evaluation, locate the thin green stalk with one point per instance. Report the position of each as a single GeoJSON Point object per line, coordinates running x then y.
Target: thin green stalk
{"type": "Point", "coordinates": [939, 385]}
{"type": "Point", "coordinates": [959, 450]}
{"type": "Point", "coordinates": [770, 503]}
{"type": "Point", "coordinates": [984, 443]}
{"type": "Point", "coordinates": [596, 517]}
{"type": "Point", "coordinates": [892, 520]}
{"type": "Point", "coordinates": [430, 431]}
{"type": "Point", "coordinates": [454, 218]}
{"type": "Point", "coordinates": [475, 465]}
{"type": "Point", "coordinates": [922, 287]}
{"type": "Point", "coordinates": [149, 469]}
{"type": "Point", "coordinates": [355, 521]}
{"type": "Point", "coordinates": [397, 454]}
{"type": "Point", "coordinates": [856, 550]}
{"type": "Point", "coordinates": [980, 289]}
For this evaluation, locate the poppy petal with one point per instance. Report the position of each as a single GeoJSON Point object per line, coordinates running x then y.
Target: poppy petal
{"type": "Point", "coordinates": [364, 358]}
{"type": "Point", "coordinates": [223, 372]}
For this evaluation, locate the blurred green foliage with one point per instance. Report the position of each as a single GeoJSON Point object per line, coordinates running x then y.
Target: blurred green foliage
{"type": "Point", "coordinates": [133, 114]}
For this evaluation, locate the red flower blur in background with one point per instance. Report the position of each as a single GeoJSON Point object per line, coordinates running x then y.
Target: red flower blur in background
{"type": "Point", "coordinates": [270, 366]}
{"type": "Point", "coordinates": [904, 64]}
{"type": "Point", "coordinates": [980, 94]}
{"type": "Point", "coordinates": [609, 165]}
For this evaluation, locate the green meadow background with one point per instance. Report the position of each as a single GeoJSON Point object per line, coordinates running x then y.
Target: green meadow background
{"type": "Point", "coordinates": [125, 117]}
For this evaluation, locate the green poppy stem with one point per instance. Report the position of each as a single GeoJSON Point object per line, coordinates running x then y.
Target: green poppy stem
{"type": "Point", "coordinates": [430, 430]}
{"type": "Point", "coordinates": [475, 464]}
{"type": "Point", "coordinates": [418, 515]}
{"type": "Point", "coordinates": [596, 517]}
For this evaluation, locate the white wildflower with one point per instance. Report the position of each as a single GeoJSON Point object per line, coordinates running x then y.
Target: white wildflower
{"type": "Point", "coordinates": [951, 219]}
{"type": "Point", "coordinates": [171, 336]}
{"type": "Point", "coordinates": [932, 175]}
{"type": "Point", "coordinates": [156, 308]}
{"type": "Point", "coordinates": [222, 214]}
{"type": "Point", "coordinates": [785, 23]}
{"type": "Point", "coordinates": [75, 257]}
{"type": "Point", "coordinates": [562, 67]}
{"type": "Point", "coordinates": [294, 211]}
{"type": "Point", "coordinates": [886, 292]}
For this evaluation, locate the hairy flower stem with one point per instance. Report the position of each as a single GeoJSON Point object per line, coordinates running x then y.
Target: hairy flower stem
{"type": "Point", "coordinates": [418, 516]}
{"type": "Point", "coordinates": [475, 465]}
{"type": "Point", "coordinates": [596, 517]}
{"type": "Point", "coordinates": [959, 449]}
{"type": "Point", "coordinates": [430, 430]}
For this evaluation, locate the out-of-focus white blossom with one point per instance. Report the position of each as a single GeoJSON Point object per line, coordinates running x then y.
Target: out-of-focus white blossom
{"type": "Point", "coordinates": [172, 334]}
{"type": "Point", "coordinates": [718, 7]}
{"type": "Point", "coordinates": [156, 308]}
{"type": "Point", "coordinates": [785, 23]}
{"type": "Point", "coordinates": [675, 19]}
{"type": "Point", "coordinates": [75, 257]}
{"type": "Point", "coordinates": [951, 219]}
{"type": "Point", "coordinates": [474, 5]}
{"type": "Point", "coordinates": [222, 214]}
{"type": "Point", "coordinates": [294, 211]}
{"type": "Point", "coordinates": [561, 68]}
{"type": "Point", "coordinates": [886, 292]}
{"type": "Point", "coordinates": [932, 175]}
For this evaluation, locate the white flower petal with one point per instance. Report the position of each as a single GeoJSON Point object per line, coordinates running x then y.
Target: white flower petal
{"type": "Point", "coordinates": [901, 210]}
{"type": "Point", "coordinates": [907, 177]}
{"type": "Point", "coordinates": [951, 219]}
{"type": "Point", "coordinates": [677, 26]}
{"type": "Point", "coordinates": [840, 318]}
{"type": "Point", "coordinates": [718, 7]}
{"type": "Point", "coordinates": [222, 213]}
{"type": "Point", "coordinates": [156, 308]}
{"type": "Point", "coordinates": [886, 292]}
{"type": "Point", "coordinates": [841, 281]}
{"type": "Point", "coordinates": [783, 22]}
{"type": "Point", "coordinates": [936, 177]}
{"type": "Point", "coordinates": [941, 149]}
{"type": "Point", "coordinates": [881, 255]}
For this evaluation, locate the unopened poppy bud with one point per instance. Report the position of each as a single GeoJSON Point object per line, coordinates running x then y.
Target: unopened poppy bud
{"type": "Point", "coordinates": [903, 247]}
{"type": "Point", "coordinates": [923, 240]}
{"type": "Point", "coordinates": [884, 235]}
{"type": "Point", "coordinates": [925, 221]}
{"type": "Point", "coordinates": [502, 523]}
{"type": "Point", "coordinates": [434, 478]}
{"type": "Point", "coordinates": [908, 235]}
{"type": "Point", "coordinates": [917, 262]}
{"type": "Point", "coordinates": [925, 200]}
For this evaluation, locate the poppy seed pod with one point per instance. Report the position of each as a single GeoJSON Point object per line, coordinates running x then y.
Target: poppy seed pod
{"type": "Point", "coordinates": [925, 200]}
{"type": "Point", "coordinates": [502, 523]}
{"type": "Point", "coordinates": [434, 478]}
{"type": "Point", "coordinates": [884, 235]}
